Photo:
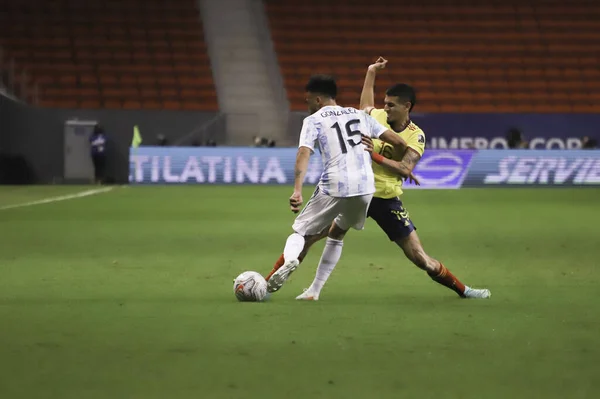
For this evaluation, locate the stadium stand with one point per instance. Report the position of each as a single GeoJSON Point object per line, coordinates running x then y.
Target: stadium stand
{"type": "Point", "coordinates": [461, 55]}
{"type": "Point", "coordinates": [135, 54]}
{"type": "Point", "coordinates": [15, 81]}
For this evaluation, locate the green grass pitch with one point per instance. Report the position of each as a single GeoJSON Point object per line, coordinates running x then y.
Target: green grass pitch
{"type": "Point", "coordinates": [128, 294]}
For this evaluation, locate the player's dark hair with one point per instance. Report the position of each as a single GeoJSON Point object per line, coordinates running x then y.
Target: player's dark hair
{"type": "Point", "coordinates": [404, 92]}
{"type": "Point", "coordinates": [322, 84]}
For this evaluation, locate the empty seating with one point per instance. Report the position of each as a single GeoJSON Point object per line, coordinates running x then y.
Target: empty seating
{"type": "Point", "coordinates": [111, 54]}
{"type": "Point", "coordinates": [461, 55]}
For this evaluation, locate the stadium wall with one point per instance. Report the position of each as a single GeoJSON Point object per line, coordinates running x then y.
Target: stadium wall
{"type": "Point", "coordinates": [31, 143]}
{"type": "Point", "coordinates": [37, 134]}
{"type": "Point", "coordinates": [438, 169]}
{"type": "Point", "coordinates": [488, 131]}
{"type": "Point", "coordinates": [4, 121]}
{"type": "Point", "coordinates": [118, 124]}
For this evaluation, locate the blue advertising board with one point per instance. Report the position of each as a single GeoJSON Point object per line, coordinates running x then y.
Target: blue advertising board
{"type": "Point", "coordinates": [446, 169]}
{"type": "Point", "coordinates": [248, 165]}
{"type": "Point", "coordinates": [534, 168]}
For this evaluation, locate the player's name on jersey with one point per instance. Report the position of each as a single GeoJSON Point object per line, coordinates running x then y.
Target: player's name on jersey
{"type": "Point", "coordinates": [338, 112]}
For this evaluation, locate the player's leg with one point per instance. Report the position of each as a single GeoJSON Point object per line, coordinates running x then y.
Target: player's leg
{"type": "Point", "coordinates": [313, 240]}
{"type": "Point", "coordinates": [329, 259]}
{"type": "Point", "coordinates": [316, 216]}
{"type": "Point", "coordinates": [308, 242]}
{"type": "Point", "coordinates": [353, 215]}
{"type": "Point", "coordinates": [411, 245]}
{"type": "Point", "coordinates": [395, 221]}
{"type": "Point", "coordinates": [406, 237]}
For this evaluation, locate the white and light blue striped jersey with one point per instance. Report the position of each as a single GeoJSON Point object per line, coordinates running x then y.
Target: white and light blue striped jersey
{"type": "Point", "coordinates": [337, 131]}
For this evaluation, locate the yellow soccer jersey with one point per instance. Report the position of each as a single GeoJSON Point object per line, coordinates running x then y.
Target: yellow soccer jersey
{"type": "Point", "coordinates": [387, 183]}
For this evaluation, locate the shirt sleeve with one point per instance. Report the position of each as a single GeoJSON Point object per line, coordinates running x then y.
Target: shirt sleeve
{"type": "Point", "coordinates": [378, 114]}
{"type": "Point", "coordinates": [374, 128]}
{"type": "Point", "coordinates": [416, 141]}
{"type": "Point", "coordinates": [308, 135]}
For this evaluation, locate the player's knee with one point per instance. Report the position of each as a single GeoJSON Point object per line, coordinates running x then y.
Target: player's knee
{"type": "Point", "coordinates": [323, 234]}
{"type": "Point", "coordinates": [336, 232]}
{"type": "Point", "coordinates": [310, 240]}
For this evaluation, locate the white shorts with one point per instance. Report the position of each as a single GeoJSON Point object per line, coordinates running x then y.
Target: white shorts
{"type": "Point", "coordinates": [321, 210]}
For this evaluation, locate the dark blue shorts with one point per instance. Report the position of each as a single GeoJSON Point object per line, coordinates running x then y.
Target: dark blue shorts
{"type": "Point", "coordinates": [391, 216]}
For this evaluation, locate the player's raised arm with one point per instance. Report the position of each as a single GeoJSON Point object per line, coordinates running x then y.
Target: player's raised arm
{"type": "Point", "coordinates": [367, 96]}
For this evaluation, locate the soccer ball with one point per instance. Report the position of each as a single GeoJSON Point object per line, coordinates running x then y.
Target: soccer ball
{"type": "Point", "coordinates": [250, 287]}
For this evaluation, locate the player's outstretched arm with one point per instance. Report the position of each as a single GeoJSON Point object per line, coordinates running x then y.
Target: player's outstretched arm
{"type": "Point", "coordinates": [394, 139]}
{"type": "Point", "coordinates": [403, 168]}
{"type": "Point", "coordinates": [367, 96]}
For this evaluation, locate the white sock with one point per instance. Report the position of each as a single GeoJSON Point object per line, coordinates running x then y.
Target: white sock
{"type": "Point", "coordinates": [293, 246]}
{"type": "Point", "coordinates": [331, 256]}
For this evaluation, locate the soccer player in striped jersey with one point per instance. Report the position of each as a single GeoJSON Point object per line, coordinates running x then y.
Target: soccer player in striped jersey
{"type": "Point", "coordinates": [390, 169]}
{"type": "Point", "coordinates": [346, 187]}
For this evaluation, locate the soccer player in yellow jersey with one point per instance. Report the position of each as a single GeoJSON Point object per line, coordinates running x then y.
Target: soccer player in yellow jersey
{"type": "Point", "coordinates": [390, 169]}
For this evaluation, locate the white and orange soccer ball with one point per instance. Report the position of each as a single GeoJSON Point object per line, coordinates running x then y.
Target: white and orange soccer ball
{"type": "Point", "coordinates": [250, 287]}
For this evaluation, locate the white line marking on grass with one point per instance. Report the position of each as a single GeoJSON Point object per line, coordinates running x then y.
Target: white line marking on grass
{"type": "Point", "coordinates": [80, 194]}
